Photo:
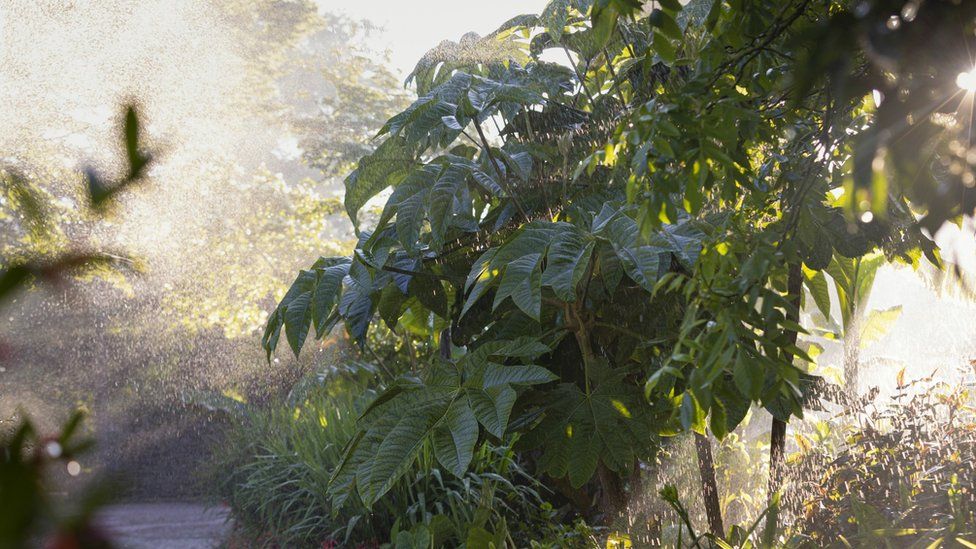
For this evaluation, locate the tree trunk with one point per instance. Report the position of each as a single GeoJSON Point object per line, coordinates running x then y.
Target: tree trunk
{"type": "Point", "coordinates": [777, 446]}
{"type": "Point", "coordinates": [706, 467]}
{"type": "Point", "coordinates": [613, 494]}
{"type": "Point", "coordinates": [777, 434]}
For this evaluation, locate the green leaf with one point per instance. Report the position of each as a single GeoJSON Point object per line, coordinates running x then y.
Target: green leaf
{"type": "Point", "coordinates": [422, 115]}
{"type": "Point", "coordinates": [442, 203]}
{"type": "Point", "coordinates": [455, 437]}
{"type": "Point", "coordinates": [418, 537]}
{"type": "Point", "coordinates": [578, 431]}
{"type": "Point", "coordinates": [493, 407]}
{"type": "Point", "coordinates": [272, 332]}
{"type": "Point", "coordinates": [479, 279]}
{"type": "Point", "coordinates": [452, 122]}
{"type": "Point", "coordinates": [298, 310]}
{"type": "Point", "coordinates": [522, 281]}
{"type": "Point", "coordinates": [684, 240]}
{"type": "Point", "coordinates": [641, 263]}
{"type": "Point", "coordinates": [554, 18]}
{"type": "Point", "coordinates": [566, 263]}
{"type": "Point", "coordinates": [604, 22]}
{"type": "Point", "coordinates": [718, 421]}
{"type": "Point", "coordinates": [394, 443]}
{"type": "Point", "coordinates": [496, 375]}
{"type": "Point", "coordinates": [342, 481]}
{"type": "Point", "coordinates": [356, 309]}
{"type": "Point", "coordinates": [479, 538]}
{"type": "Point", "coordinates": [409, 201]}
{"type": "Point", "coordinates": [817, 284]}
{"type": "Point", "coordinates": [664, 49]}
{"type": "Point", "coordinates": [878, 323]}
{"type": "Point", "coordinates": [487, 182]}
{"type": "Point", "coordinates": [385, 167]}
{"type": "Point", "coordinates": [390, 305]}
{"type": "Point", "coordinates": [326, 295]}
{"type": "Point", "coordinates": [666, 23]}
{"type": "Point", "coordinates": [748, 375]}
{"type": "Point", "coordinates": [734, 405]}
{"type": "Point", "coordinates": [867, 269]}
{"type": "Point", "coordinates": [524, 347]}
{"type": "Point", "coordinates": [655, 379]}
{"type": "Point", "coordinates": [691, 413]}
{"type": "Point", "coordinates": [519, 163]}
{"type": "Point", "coordinates": [431, 293]}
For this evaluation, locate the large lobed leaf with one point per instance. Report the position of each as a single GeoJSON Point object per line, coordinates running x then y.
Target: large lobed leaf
{"type": "Point", "coordinates": [580, 430]}
{"type": "Point", "coordinates": [444, 410]}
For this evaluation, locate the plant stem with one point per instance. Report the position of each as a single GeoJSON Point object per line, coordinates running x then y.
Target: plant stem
{"type": "Point", "coordinates": [706, 466]}
{"type": "Point", "coordinates": [586, 348]}
{"type": "Point", "coordinates": [613, 75]}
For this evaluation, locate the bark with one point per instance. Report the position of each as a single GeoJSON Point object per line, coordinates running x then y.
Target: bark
{"type": "Point", "coordinates": [777, 434]}
{"type": "Point", "coordinates": [613, 494]}
{"type": "Point", "coordinates": [706, 467]}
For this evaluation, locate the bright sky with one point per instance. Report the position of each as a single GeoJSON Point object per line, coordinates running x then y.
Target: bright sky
{"type": "Point", "coordinates": [413, 27]}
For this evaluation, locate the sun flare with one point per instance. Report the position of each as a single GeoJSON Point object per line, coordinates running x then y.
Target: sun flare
{"type": "Point", "coordinates": [966, 80]}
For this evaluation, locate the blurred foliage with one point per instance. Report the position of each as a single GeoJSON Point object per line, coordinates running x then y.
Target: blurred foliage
{"type": "Point", "coordinates": [909, 55]}
{"type": "Point", "coordinates": [40, 253]}
{"type": "Point", "coordinates": [240, 198]}
{"type": "Point", "coordinates": [27, 511]}
{"type": "Point", "coordinates": [30, 266]}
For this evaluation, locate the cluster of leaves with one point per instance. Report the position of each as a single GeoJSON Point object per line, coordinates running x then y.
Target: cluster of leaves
{"type": "Point", "coordinates": [909, 55]}
{"type": "Point", "coordinates": [22, 271]}
{"type": "Point", "coordinates": [852, 280]}
{"type": "Point", "coordinates": [639, 216]}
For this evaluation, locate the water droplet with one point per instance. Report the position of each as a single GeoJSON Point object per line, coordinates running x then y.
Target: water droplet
{"type": "Point", "coordinates": [53, 449]}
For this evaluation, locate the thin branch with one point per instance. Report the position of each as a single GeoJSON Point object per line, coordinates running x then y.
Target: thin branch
{"type": "Point", "coordinates": [579, 76]}
{"type": "Point", "coordinates": [622, 330]}
{"type": "Point", "coordinates": [379, 362]}
{"type": "Point", "coordinates": [501, 178]}
{"type": "Point", "coordinates": [613, 74]}
{"type": "Point", "coordinates": [408, 272]}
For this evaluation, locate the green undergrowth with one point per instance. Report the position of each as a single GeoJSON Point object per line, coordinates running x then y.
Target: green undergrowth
{"type": "Point", "coordinates": [274, 468]}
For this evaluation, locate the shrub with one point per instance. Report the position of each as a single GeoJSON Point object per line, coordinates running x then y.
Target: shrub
{"type": "Point", "coordinates": [903, 476]}
{"type": "Point", "coordinates": [275, 465]}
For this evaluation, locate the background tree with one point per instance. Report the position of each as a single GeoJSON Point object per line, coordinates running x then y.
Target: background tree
{"type": "Point", "coordinates": [240, 198]}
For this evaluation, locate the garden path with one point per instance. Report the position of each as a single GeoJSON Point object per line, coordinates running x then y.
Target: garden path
{"type": "Point", "coordinates": [171, 525]}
